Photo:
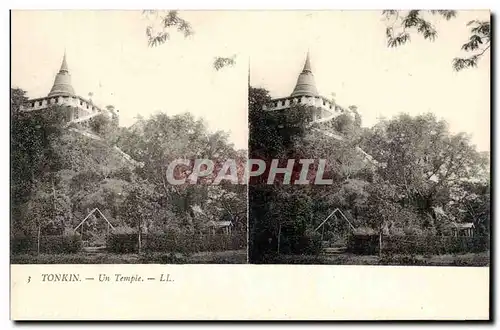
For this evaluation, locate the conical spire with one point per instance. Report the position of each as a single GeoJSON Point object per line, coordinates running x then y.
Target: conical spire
{"type": "Point", "coordinates": [64, 65]}
{"type": "Point", "coordinates": [62, 82]}
{"type": "Point", "coordinates": [307, 65]}
{"type": "Point", "coordinates": [305, 83]}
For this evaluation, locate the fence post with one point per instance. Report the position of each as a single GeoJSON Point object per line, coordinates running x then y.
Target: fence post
{"type": "Point", "coordinates": [139, 237]}
{"type": "Point", "coordinates": [279, 237]}
{"type": "Point", "coordinates": [380, 243]}
{"type": "Point", "coordinates": [38, 239]}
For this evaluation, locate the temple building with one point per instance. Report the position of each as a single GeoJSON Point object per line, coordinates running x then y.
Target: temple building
{"type": "Point", "coordinates": [81, 112]}
{"type": "Point", "coordinates": [324, 111]}
{"type": "Point", "coordinates": [63, 94]}
{"type": "Point", "coordinates": [306, 93]}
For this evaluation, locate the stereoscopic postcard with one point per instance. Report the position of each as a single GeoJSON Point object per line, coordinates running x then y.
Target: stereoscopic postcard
{"type": "Point", "coordinates": [250, 165]}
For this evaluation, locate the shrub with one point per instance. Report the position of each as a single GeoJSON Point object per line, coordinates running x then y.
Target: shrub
{"type": "Point", "coordinates": [122, 243]}
{"type": "Point", "coordinates": [163, 258]}
{"type": "Point", "coordinates": [406, 259]}
{"type": "Point", "coordinates": [311, 243]}
{"type": "Point", "coordinates": [124, 230]}
{"type": "Point", "coordinates": [364, 244]}
{"type": "Point", "coordinates": [22, 244]}
{"type": "Point", "coordinates": [434, 244]}
{"type": "Point", "coordinates": [71, 243]}
{"type": "Point", "coordinates": [189, 243]}
{"type": "Point", "coordinates": [365, 231]}
{"type": "Point", "coordinates": [53, 244]}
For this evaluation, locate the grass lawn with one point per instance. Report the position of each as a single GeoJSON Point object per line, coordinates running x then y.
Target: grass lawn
{"type": "Point", "coordinates": [223, 257]}
{"type": "Point", "coordinates": [468, 259]}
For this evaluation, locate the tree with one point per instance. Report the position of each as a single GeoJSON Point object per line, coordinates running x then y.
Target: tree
{"type": "Point", "coordinates": [228, 202]}
{"type": "Point", "coordinates": [423, 160]}
{"type": "Point", "coordinates": [222, 62]}
{"type": "Point", "coordinates": [140, 208]}
{"type": "Point", "coordinates": [165, 22]}
{"type": "Point", "coordinates": [479, 43]}
{"type": "Point", "coordinates": [470, 202]}
{"type": "Point", "coordinates": [162, 139]}
{"type": "Point", "coordinates": [55, 166]}
{"type": "Point", "coordinates": [17, 98]}
{"type": "Point", "coordinates": [45, 211]}
{"type": "Point", "coordinates": [106, 124]}
{"type": "Point", "coordinates": [159, 30]}
{"type": "Point", "coordinates": [401, 24]}
{"type": "Point", "coordinates": [34, 155]}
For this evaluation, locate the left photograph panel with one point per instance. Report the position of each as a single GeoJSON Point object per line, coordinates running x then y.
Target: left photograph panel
{"type": "Point", "coordinates": [128, 138]}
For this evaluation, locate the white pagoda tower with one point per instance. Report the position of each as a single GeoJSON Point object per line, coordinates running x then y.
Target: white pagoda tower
{"type": "Point", "coordinates": [63, 94]}
{"type": "Point", "coordinates": [306, 93]}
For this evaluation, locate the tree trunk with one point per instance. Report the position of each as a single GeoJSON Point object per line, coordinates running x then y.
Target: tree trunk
{"type": "Point", "coordinates": [38, 239]}
{"type": "Point", "coordinates": [279, 237]}
{"type": "Point", "coordinates": [380, 242]}
{"type": "Point", "coordinates": [139, 237]}
{"type": "Point", "coordinates": [54, 208]}
{"type": "Point", "coordinates": [53, 195]}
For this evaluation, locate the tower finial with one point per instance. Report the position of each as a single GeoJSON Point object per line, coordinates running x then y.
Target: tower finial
{"type": "Point", "coordinates": [307, 64]}
{"type": "Point", "coordinates": [305, 83]}
{"type": "Point", "coordinates": [62, 82]}
{"type": "Point", "coordinates": [64, 64]}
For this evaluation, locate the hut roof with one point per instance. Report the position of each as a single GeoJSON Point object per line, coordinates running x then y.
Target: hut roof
{"type": "Point", "coordinates": [220, 224]}
{"type": "Point", "coordinates": [464, 225]}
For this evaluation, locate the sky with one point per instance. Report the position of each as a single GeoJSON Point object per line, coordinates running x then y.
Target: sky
{"type": "Point", "coordinates": [108, 55]}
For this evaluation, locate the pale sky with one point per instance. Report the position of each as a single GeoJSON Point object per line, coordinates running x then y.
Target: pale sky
{"type": "Point", "coordinates": [108, 55]}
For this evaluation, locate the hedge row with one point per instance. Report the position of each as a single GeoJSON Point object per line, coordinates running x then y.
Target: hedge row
{"type": "Point", "coordinates": [48, 244]}
{"type": "Point", "coordinates": [369, 244]}
{"type": "Point", "coordinates": [128, 243]}
{"type": "Point", "coordinates": [434, 244]}
{"type": "Point", "coordinates": [363, 244]}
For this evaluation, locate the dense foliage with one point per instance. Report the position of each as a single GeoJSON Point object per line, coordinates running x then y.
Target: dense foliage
{"type": "Point", "coordinates": [419, 168]}
{"type": "Point", "coordinates": [60, 173]}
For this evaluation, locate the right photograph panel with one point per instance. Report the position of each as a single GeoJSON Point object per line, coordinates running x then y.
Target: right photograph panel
{"type": "Point", "coordinates": [369, 138]}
